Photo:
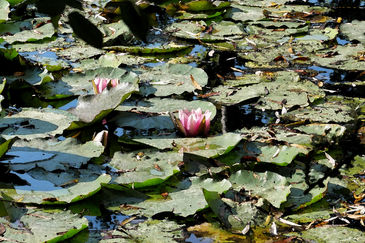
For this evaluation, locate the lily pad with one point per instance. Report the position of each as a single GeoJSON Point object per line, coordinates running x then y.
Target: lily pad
{"type": "Point", "coordinates": [269, 185]}
{"type": "Point", "coordinates": [92, 108]}
{"type": "Point", "coordinates": [113, 60]}
{"type": "Point", "coordinates": [198, 30]}
{"type": "Point", "coordinates": [353, 175]}
{"type": "Point", "coordinates": [4, 10]}
{"type": "Point", "coordinates": [153, 113]}
{"type": "Point", "coordinates": [210, 147]}
{"type": "Point", "coordinates": [163, 231]}
{"type": "Point", "coordinates": [158, 105]}
{"type": "Point", "coordinates": [349, 57]}
{"type": "Point", "coordinates": [146, 167]}
{"type": "Point", "coordinates": [354, 30]}
{"type": "Point", "coordinates": [324, 113]}
{"type": "Point", "coordinates": [298, 197]}
{"type": "Point", "coordinates": [170, 79]}
{"type": "Point", "coordinates": [286, 87]}
{"type": "Point", "coordinates": [34, 225]}
{"type": "Point", "coordinates": [232, 214]}
{"type": "Point", "coordinates": [80, 83]}
{"type": "Point", "coordinates": [71, 194]}
{"type": "Point", "coordinates": [331, 234]}
{"type": "Point", "coordinates": [245, 13]}
{"type": "Point", "coordinates": [262, 152]}
{"type": "Point", "coordinates": [5, 146]}
{"type": "Point", "coordinates": [36, 123]}
{"type": "Point", "coordinates": [51, 154]}
{"type": "Point", "coordinates": [159, 49]}
{"type": "Point", "coordinates": [175, 202]}
{"type": "Point", "coordinates": [45, 31]}
{"type": "Point", "coordinates": [142, 121]}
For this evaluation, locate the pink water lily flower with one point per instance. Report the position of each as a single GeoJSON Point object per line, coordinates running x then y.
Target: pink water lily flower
{"type": "Point", "coordinates": [100, 84]}
{"type": "Point", "coordinates": [194, 122]}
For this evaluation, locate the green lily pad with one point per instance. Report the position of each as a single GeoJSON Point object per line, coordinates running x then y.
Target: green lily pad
{"type": "Point", "coordinates": [353, 175]}
{"type": "Point", "coordinates": [204, 5]}
{"type": "Point", "coordinates": [175, 202]}
{"type": "Point", "coordinates": [34, 225]}
{"type": "Point", "coordinates": [286, 86]}
{"type": "Point", "coordinates": [160, 49]}
{"type": "Point", "coordinates": [5, 146]}
{"type": "Point", "coordinates": [36, 123]}
{"type": "Point", "coordinates": [269, 185]}
{"type": "Point", "coordinates": [92, 108]}
{"type": "Point", "coordinates": [32, 76]}
{"type": "Point", "coordinates": [171, 79]}
{"type": "Point", "coordinates": [162, 231]}
{"type": "Point", "coordinates": [158, 105]}
{"type": "Point", "coordinates": [333, 132]}
{"type": "Point", "coordinates": [331, 234]}
{"type": "Point", "coordinates": [47, 59]}
{"type": "Point", "coordinates": [71, 194]}
{"type": "Point", "coordinates": [78, 52]}
{"type": "Point", "coordinates": [142, 121]}
{"type": "Point", "coordinates": [153, 113]}
{"type": "Point", "coordinates": [298, 197]}
{"type": "Point", "coordinates": [210, 147]}
{"type": "Point", "coordinates": [232, 214]}
{"type": "Point", "coordinates": [146, 167]}
{"type": "Point", "coordinates": [45, 31]}
{"type": "Point", "coordinates": [245, 13]}
{"type": "Point", "coordinates": [318, 211]}
{"type": "Point", "coordinates": [262, 152]}
{"type": "Point", "coordinates": [80, 83]}
{"type": "Point", "coordinates": [354, 30]}
{"type": "Point", "coordinates": [349, 57]}
{"type": "Point", "coordinates": [324, 113]}
{"type": "Point", "coordinates": [4, 10]}
{"type": "Point", "coordinates": [197, 30]}
{"type": "Point", "coordinates": [117, 32]}
{"type": "Point", "coordinates": [113, 60]}
{"type": "Point", "coordinates": [51, 154]}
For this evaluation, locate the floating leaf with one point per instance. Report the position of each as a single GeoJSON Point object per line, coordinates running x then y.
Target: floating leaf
{"type": "Point", "coordinates": [147, 231]}
{"type": "Point", "coordinates": [145, 167]}
{"type": "Point", "coordinates": [324, 113]}
{"type": "Point", "coordinates": [36, 123]}
{"type": "Point", "coordinates": [271, 186]}
{"type": "Point", "coordinates": [80, 83]}
{"type": "Point", "coordinates": [232, 214]}
{"type": "Point", "coordinates": [174, 201]}
{"type": "Point", "coordinates": [152, 113]}
{"type": "Point", "coordinates": [298, 197]}
{"type": "Point", "coordinates": [51, 154]}
{"type": "Point", "coordinates": [71, 194]}
{"type": "Point", "coordinates": [331, 234]}
{"type": "Point", "coordinates": [4, 10]}
{"type": "Point", "coordinates": [160, 49]}
{"type": "Point", "coordinates": [349, 57]}
{"type": "Point", "coordinates": [170, 79]}
{"type": "Point", "coordinates": [354, 30]}
{"type": "Point", "coordinates": [36, 34]}
{"type": "Point", "coordinates": [210, 147]}
{"type": "Point", "coordinates": [201, 31]}
{"type": "Point", "coordinates": [261, 152]}
{"type": "Point", "coordinates": [92, 108]}
{"type": "Point", "coordinates": [34, 225]}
